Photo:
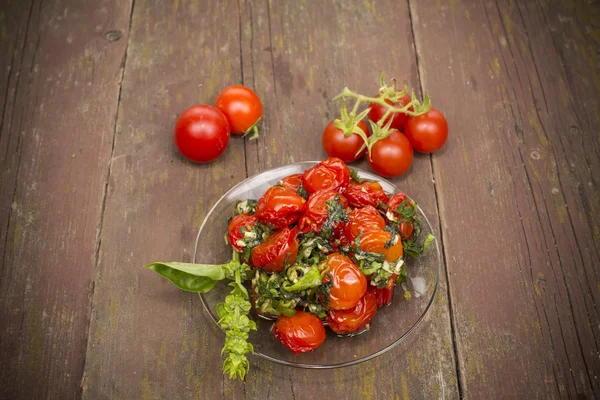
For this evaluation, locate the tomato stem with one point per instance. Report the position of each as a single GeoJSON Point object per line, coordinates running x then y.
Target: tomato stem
{"type": "Point", "coordinates": [252, 132]}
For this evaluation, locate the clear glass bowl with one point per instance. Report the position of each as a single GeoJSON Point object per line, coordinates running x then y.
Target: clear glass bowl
{"type": "Point", "coordinates": [391, 325]}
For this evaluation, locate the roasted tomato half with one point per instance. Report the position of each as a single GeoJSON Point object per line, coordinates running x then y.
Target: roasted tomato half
{"type": "Point", "coordinates": [279, 207]}
{"type": "Point", "coordinates": [300, 333]}
{"type": "Point", "coordinates": [356, 318]}
{"type": "Point", "coordinates": [240, 229]}
{"type": "Point", "coordinates": [386, 294]}
{"type": "Point", "coordinates": [330, 174]}
{"type": "Point", "coordinates": [396, 213]}
{"type": "Point", "coordinates": [279, 248]}
{"type": "Point", "coordinates": [382, 242]}
{"type": "Point", "coordinates": [365, 194]}
{"type": "Point", "coordinates": [291, 182]}
{"type": "Point", "coordinates": [317, 211]}
{"type": "Point", "coordinates": [364, 220]}
{"type": "Point", "coordinates": [349, 283]}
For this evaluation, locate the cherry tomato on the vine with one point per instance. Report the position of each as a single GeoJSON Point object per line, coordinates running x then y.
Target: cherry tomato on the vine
{"type": "Point", "coordinates": [354, 319]}
{"type": "Point", "coordinates": [279, 248]}
{"type": "Point", "coordinates": [300, 333]}
{"type": "Point", "coordinates": [391, 156]}
{"type": "Point", "coordinates": [398, 119]}
{"type": "Point", "coordinates": [242, 107]}
{"type": "Point", "coordinates": [349, 283]}
{"type": "Point", "coordinates": [382, 242]}
{"type": "Point", "coordinates": [317, 210]}
{"type": "Point", "coordinates": [279, 207]}
{"type": "Point", "coordinates": [236, 225]}
{"type": "Point", "coordinates": [202, 133]}
{"type": "Point", "coordinates": [337, 144]}
{"type": "Point", "coordinates": [365, 194]}
{"type": "Point", "coordinates": [329, 174]}
{"type": "Point", "coordinates": [427, 132]}
{"type": "Point", "coordinates": [364, 220]}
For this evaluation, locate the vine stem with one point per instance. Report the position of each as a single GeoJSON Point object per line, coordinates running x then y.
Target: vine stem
{"type": "Point", "coordinates": [381, 101]}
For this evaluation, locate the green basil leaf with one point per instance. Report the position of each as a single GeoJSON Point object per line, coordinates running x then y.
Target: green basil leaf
{"type": "Point", "coordinates": [198, 278]}
{"type": "Point", "coordinates": [312, 278]}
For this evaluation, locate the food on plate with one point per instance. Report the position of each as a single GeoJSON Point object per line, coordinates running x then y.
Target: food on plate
{"type": "Point", "coordinates": [320, 249]}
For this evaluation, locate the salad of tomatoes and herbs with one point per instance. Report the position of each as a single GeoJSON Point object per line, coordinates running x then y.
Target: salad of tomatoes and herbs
{"type": "Point", "coordinates": [319, 249]}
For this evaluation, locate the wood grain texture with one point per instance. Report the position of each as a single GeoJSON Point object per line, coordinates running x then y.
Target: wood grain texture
{"type": "Point", "coordinates": [524, 301]}
{"type": "Point", "coordinates": [59, 102]}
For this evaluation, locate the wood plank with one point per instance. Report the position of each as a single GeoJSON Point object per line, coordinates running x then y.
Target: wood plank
{"type": "Point", "coordinates": [58, 114]}
{"type": "Point", "coordinates": [148, 339]}
{"type": "Point", "coordinates": [297, 57]}
{"type": "Point", "coordinates": [525, 301]}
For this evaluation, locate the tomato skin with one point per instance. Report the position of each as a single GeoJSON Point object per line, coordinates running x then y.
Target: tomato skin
{"type": "Point", "coordinates": [291, 182]}
{"type": "Point", "coordinates": [235, 226]}
{"type": "Point", "coordinates": [364, 219]}
{"type": "Point", "coordinates": [272, 254]}
{"type": "Point", "coordinates": [392, 156]}
{"type": "Point", "coordinates": [427, 132]}
{"type": "Point", "coordinates": [279, 207]}
{"type": "Point", "coordinates": [406, 227]}
{"type": "Point", "coordinates": [329, 174]}
{"type": "Point", "coordinates": [317, 211]}
{"type": "Point", "coordinates": [300, 333]}
{"type": "Point", "coordinates": [202, 133]}
{"type": "Point", "coordinates": [385, 295]}
{"type": "Point", "coordinates": [349, 283]}
{"type": "Point", "coordinates": [337, 144]}
{"type": "Point", "coordinates": [354, 319]}
{"type": "Point", "coordinates": [365, 194]}
{"type": "Point", "coordinates": [399, 119]}
{"type": "Point", "coordinates": [241, 106]}
{"type": "Point", "coordinates": [374, 242]}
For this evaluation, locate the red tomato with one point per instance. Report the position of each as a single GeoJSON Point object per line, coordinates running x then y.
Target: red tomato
{"type": "Point", "coordinates": [337, 144]}
{"type": "Point", "coordinates": [385, 295]}
{"type": "Point", "coordinates": [427, 132]}
{"type": "Point", "coordinates": [399, 119]}
{"type": "Point", "coordinates": [300, 333]}
{"type": "Point", "coordinates": [391, 156]}
{"type": "Point", "coordinates": [330, 174]}
{"type": "Point", "coordinates": [406, 227]}
{"type": "Point", "coordinates": [291, 182]}
{"type": "Point", "coordinates": [201, 133]}
{"type": "Point", "coordinates": [365, 194]}
{"type": "Point", "coordinates": [354, 319]}
{"type": "Point", "coordinates": [349, 283]}
{"type": "Point", "coordinates": [374, 242]}
{"type": "Point", "coordinates": [241, 106]}
{"type": "Point", "coordinates": [317, 211]}
{"type": "Point", "coordinates": [279, 248]}
{"type": "Point", "coordinates": [279, 207]}
{"type": "Point", "coordinates": [364, 220]}
{"type": "Point", "coordinates": [236, 224]}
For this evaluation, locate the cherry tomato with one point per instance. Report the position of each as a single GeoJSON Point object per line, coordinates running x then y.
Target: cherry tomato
{"type": "Point", "coordinates": [406, 227]}
{"type": "Point", "coordinates": [375, 242]}
{"type": "Point", "coordinates": [349, 283]}
{"type": "Point", "coordinates": [201, 133]}
{"type": "Point", "coordinates": [241, 106]}
{"type": "Point", "coordinates": [385, 295]}
{"type": "Point", "coordinates": [236, 225]}
{"type": "Point", "coordinates": [391, 156]}
{"type": "Point", "coordinates": [399, 119]}
{"type": "Point", "coordinates": [427, 132]}
{"type": "Point", "coordinates": [337, 144]}
{"type": "Point", "coordinates": [354, 319]}
{"type": "Point", "coordinates": [291, 182]}
{"type": "Point", "coordinates": [330, 174]}
{"type": "Point", "coordinates": [279, 207]}
{"type": "Point", "coordinates": [300, 333]}
{"type": "Point", "coordinates": [279, 248]}
{"type": "Point", "coordinates": [317, 210]}
{"type": "Point", "coordinates": [365, 194]}
{"type": "Point", "coordinates": [364, 220]}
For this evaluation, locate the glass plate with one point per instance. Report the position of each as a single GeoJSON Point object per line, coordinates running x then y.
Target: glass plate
{"type": "Point", "coordinates": [391, 325]}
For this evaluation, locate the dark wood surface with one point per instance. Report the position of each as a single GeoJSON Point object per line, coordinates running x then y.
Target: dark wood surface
{"type": "Point", "coordinates": [92, 188]}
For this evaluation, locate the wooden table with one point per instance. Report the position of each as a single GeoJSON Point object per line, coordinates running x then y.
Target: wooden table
{"type": "Point", "coordinates": [92, 188]}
